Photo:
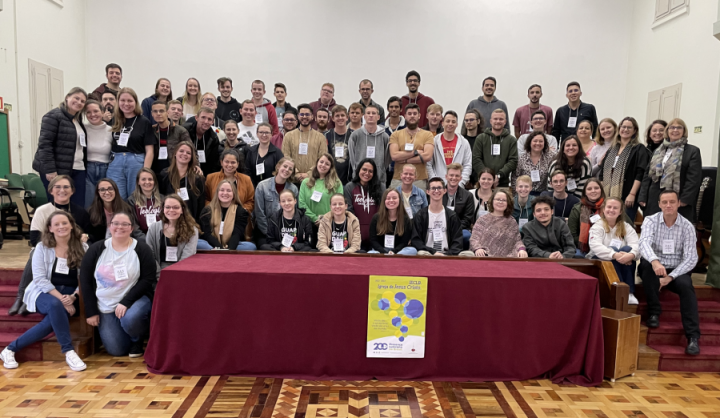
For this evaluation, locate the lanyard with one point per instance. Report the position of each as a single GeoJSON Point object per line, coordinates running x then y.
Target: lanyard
{"type": "Point", "coordinates": [196, 143]}
{"type": "Point", "coordinates": [344, 227]}
{"type": "Point", "coordinates": [294, 223]}
{"type": "Point", "coordinates": [131, 126]}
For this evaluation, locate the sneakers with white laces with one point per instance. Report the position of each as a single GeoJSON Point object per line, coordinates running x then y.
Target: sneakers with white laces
{"type": "Point", "coordinates": [632, 300]}
{"type": "Point", "coordinates": [74, 361]}
{"type": "Point", "coordinates": [8, 358]}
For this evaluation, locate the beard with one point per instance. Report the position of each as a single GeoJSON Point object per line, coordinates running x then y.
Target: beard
{"type": "Point", "coordinates": [322, 126]}
{"type": "Point", "coordinates": [411, 126]}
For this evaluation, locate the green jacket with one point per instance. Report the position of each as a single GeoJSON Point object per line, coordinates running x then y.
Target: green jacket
{"type": "Point", "coordinates": [503, 164]}
{"type": "Point", "coordinates": [574, 222]}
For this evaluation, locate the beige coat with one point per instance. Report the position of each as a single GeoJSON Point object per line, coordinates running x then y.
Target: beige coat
{"type": "Point", "coordinates": [325, 233]}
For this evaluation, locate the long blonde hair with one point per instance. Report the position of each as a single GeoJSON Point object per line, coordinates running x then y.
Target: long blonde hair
{"type": "Point", "coordinates": [119, 115]}
{"type": "Point", "coordinates": [599, 138]}
{"type": "Point", "coordinates": [331, 178]}
{"type": "Point", "coordinates": [619, 223]}
{"type": "Point", "coordinates": [216, 208]}
{"type": "Point", "coordinates": [198, 96]}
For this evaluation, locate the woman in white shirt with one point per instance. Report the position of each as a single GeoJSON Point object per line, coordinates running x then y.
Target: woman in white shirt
{"type": "Point", "coordinates": [99, 145]}
{"type": "Point", "coordinates": [613, 239]}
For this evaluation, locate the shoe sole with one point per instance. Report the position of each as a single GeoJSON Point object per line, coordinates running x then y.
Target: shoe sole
{"type": "Point", "coordinates": [10, 366]}
{"type": "Point", "coordinates": [77, 369]}
{"type": "Point", "coordinates": [136, 355]}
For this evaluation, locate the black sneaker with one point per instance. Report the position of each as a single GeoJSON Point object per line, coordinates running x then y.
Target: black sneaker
{"type": "Point", "coordinates": [693, 348]}
{"type": "Point", "coordinates": [653, 321]}
{"type": "Point", "coordinates": [137, 348]}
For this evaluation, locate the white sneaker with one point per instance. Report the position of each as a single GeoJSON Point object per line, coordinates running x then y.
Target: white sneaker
{"type": "Point", "coordinates": [8, 358]}
{"type": "Point", "coordinates": [74, 361]}
{"type": "Point", "coordinates": [632, 300]}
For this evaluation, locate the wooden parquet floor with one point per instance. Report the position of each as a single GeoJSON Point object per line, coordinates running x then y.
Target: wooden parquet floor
{"type": "Point", "coordinates": [122, 387]}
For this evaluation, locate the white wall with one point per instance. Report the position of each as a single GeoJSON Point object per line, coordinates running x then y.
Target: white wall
{"type": "Point", "coordinates": [454, 44]}
{"type": "Point", "coordinates": [47, 33]}
{"type": "Point", "coordinates": [682, 50]}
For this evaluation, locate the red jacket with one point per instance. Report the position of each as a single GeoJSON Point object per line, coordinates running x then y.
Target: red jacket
{"type": "Point", "coordinates": [422, 101]}
{"type": "Point", "coordinates": [272, 116]}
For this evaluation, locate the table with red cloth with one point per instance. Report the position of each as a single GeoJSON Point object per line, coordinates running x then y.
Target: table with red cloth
{"type": "Point", "coordinates": [305, 317]}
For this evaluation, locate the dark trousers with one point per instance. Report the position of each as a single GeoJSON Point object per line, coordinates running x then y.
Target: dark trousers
{"type": "Point", "coordinates": [625, 272]}
{"type": "Point", "coordinates": [682, 286]}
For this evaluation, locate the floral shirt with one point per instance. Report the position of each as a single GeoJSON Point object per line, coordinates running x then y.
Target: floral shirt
{"type": "Point", "coordinates": [525, 167]}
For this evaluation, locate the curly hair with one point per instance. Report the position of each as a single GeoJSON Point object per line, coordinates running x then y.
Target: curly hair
{"type": "Point", "coordinates": [75, 246]}
{"type": "Point", "coordinates": [185, 225]}
{"type": "Point", "coordinates": [174, 174]}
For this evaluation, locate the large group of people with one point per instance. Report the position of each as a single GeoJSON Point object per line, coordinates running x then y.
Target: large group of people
{"type": "Point", "coordinates": [137, 186]}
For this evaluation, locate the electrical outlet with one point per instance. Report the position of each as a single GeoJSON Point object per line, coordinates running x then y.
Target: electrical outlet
{"type": "Point", "coordinates": [698, 129]}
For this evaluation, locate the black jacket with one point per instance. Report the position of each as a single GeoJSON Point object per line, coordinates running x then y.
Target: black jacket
{"type": "Point", "coordinates": [57, 143]}
{"type": "Point", "coordinates": [286, 107]}
{"type": "Point", "coordinates": [273, 156]}
{"type": "Point", "coordinates": [196, 202]}
{"type": "Point", "coordinates": [144, 287]}
{"type": "Point", "coordinates": [98, 232]}
{"type": "Point", "coordinates": [304, 237]}
{"type": "Point", "coordinates": [690, 181]}
{"type": "Point", "coordinates": [541, 241]}
{"type": "Point", "coordinates": [377, 242]}
{"type": "Point", "coordinates": [212, 147]}
{"type": "Point", "coordinates": [454, 232]}
{"type": "Point", "coordinates": [229, 110]}
{"type": "Point", "coordinates": [585, 111]}
{"type": "Point", "coordinates": [464, 207]}
{"type": "Point", "coordinates": [637, 166]}
{"type": "Point", "coordinates": [238, 232]}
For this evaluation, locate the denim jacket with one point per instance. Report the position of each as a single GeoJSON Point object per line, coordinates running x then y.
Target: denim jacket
{"type": "Point", "coordinates": [418, 199]}
{"type": "Point", "coordinates": [267, 201]}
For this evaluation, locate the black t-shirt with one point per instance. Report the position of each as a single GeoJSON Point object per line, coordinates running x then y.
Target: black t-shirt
{"type": "Point", "coordinates": [339, 232]}
{"type": "Point", "coordinates": [289, 227]}
{"type": "Point", "coordinates": [59, 279]}
{"type": "Point", "coordinates": [342, 164]}
{"type": "Point", "coordinates": [141, 134]}
{"type": "Point", "coordinates": [473, 174]}
{"type": "Point", "coordinates": [159, 164]}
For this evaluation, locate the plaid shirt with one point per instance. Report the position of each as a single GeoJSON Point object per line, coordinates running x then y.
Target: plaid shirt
{"type": "Point", "coordinates": [655, 231]}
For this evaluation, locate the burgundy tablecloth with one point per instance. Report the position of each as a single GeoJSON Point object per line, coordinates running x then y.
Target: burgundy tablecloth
{"type": "Point", "coordinates": [306, 317]}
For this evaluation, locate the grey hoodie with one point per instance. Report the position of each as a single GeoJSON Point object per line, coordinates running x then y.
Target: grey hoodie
{"type": "Point", "coordinates": [486, 109]}
{"type": "Point", "coordinates": [357, 149]}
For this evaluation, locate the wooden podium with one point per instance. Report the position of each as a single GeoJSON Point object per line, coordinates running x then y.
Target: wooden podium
{"type": "Point", "coordinates": [621, 334]}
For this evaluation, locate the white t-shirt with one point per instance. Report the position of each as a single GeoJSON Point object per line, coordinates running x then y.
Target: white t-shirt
{"type": "Point", "coordinates": [437, 220]}
{"type": "Point", "coordinates": [248, 134]}
{"type": "Point", "coordinates": [109, 290]}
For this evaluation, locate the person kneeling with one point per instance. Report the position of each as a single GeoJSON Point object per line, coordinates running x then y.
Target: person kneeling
{"type": "Point", "coordinates": [391, 228]}
{"type": "Point", "coordinates": [339, 230]}
{"type": "Point", "coordinates": [175, 236]}
{"type": "Point", "coordinates": [117, 278]}
{"type": "Point", "coordinates": [497, 234]}
{"type": "Point", "coordinates": [437, 231]}
{"type": "Point", "coordinates": [547, 236]}
{"type": "Point", "coordinates": [223, 221]}
{"type": "Point", "coordinates": [614, 239]}
{"type": "Point", "coordinates": [53, 291]}
{"type": "Point", "coordinates": [288, 229]}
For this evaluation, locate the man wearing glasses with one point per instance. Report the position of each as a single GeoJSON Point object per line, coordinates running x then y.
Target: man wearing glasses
{"type": "Point", "coordinates": [289, 122]}
{"type": "Point", "coordinates": [366, 91]}
{"type": "Point", "coordinates": [539, 123]}
{"type": "Point", "coordinates": [304, 145]}
{"type": "Point", "coordinates": [326, 101]}
{"type": "Point", "coordinates": [412, 81]}
{"type": "Point", "coordinates": [264, 110]}
{"type": "Point", "coordinates": [522, 120]}
{"type": "Point", "coordinates": [437, 231]}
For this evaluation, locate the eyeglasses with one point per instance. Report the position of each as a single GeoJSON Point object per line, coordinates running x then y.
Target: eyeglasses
{"type": "Point", "coordinates": [172, 207]}
{"type": "Point", "coordinates": [61, 187]}
{"type": "Point", "coordinates": [626, 128]}
{"type": "Point", "coordinates": [500, 200]}
{"type": "Point", "coordinates": [538, 119]}
{"type": "Point", "coordinates": [413, 80]}
{"type": "Point", "coordinates": [209, 100]}
{"type": "Point", "coordinates": [436, 189]}
{"type": "Point", "coordinates": [675, 128]}
{"type": "Point", "coordinates": [121, 224]}
{"type": "Point", "coordinates": [328, 91]}
{"type": "Point", "coordinates": [263, 133]}
{"type": "Point", "coordinates": [108, 190]}
{"type": "Point", "coordinates": [289, 120]}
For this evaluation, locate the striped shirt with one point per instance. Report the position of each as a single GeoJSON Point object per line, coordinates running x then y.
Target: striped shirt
{"type": "Point", "coordinates": [580, 180]}
{"type": "Point", "coordinates": [682, 233]}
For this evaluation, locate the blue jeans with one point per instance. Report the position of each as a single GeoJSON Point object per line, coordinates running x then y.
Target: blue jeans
{"type": "Point", "coordinates": [404, 251]}
{"type": "Point", "coordinates": [56, 320]}
{"type": "Point", "coordinates": [78, 177]}
{"type": "Point", "coordinates": [94, 172]}
{"type": "Point", "coordinates": [579, 253]}
{"type": "Point", "coordinates": [242, 246]}
{"type": "Point", "coordinates": [466, 239]}
{"type": "Point", "coordinates": [626, 273]}
{"type": "Point", "coordinates": [118, 334]}
{"type": "Point", "coordinates": [123, 170]}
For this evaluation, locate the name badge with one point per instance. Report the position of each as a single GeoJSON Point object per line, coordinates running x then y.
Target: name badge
{"type": "Point", "coordinates": [339, 151]}
{"type": "Point", "coordinates": [163, 153]}
{"type": "Point", "coordinates": [616, 243]}
{"type": "Point", "coordinates": [183, 193]}
{"type": "Point", "coordinates": [370, 152]}
{"type": "Point", "coordinates": [260, 169]}
{"type": "Point", "coordinates": [389, 241]}
{"type": "Point", "coordinates": [150, 218]}
{"type": "Point", "coordinates": [409, 147]}
{"type": "Point", "coordinates": [522, 221]}
{"type": "Point", "coordinates": [338, 245]}
{"type": "Point", "coordinates": [594, 218]}
{"type": "Point", "coordinates": [258, 118]}
{"type": "Point", "coordinates": [171, 253]}
{"type": "Point", "coordinates": [201, 156]}
{"type": "Point", "coordinates": [668, 246]}
{"type": "Point", "coordinates": [82, 140]}
{"type": "Point", "coordinates": [451, 208]}
{"type": "Point", "coordinates": [496, 149]}
{"type": "Point", "coordinates": [437, 234]}
{"type": "Point", "coordinates": [121, 272]}
{"type": "Point", "coordinates": [316, 196]}
{"type": "Point", "coordinates": [530, 127]}
{"type": "Point", "coordinates": [189, 115]}
{"type": "Point", "coordinates": [535, 175]}
{"type": "Point", "coordinates": [572, 121]}
{"type": "Point", "coordinates": [572, 185]}
{"type": "Point", "coordinates": [303, 148]}
{"type": "Point", "coordinates": [123, 139]}
{"type": "Point", "coordinates": [616, 160]}
{"type": "Point", "coordinates": [409, 212]}
{"type": "Point", "coordinates": [61, 266]}
{"type": "Point", "coordinates": [287, 240]}
{"type": "Point", "coordinates": [222, 226]}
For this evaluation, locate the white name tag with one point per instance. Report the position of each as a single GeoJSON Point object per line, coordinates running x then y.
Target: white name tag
{"type": "Point", "coordinates": [201, 156]}
{"type": "Point", "coordinates": [123, 140]}
{"type": "Point", "coordinates": [437, 234]}
{"type": "Point", "coordinates": [163, 153]}
{"type": "Point", "coordinates": [222, 226]}
{"type": "Point", "coordinates": [572, 185]}
{"type": "Point", "coordinates": [316, 196]}
{"type": "Point", "coordinates": [409, 212]}
{"type": "Point", "coordinates": [150, 218]}
{"type": "Point", "coordinates": [171, 253]}
{"type": "Point", "coordinates": [389, 241]}
{"type": "Point", "coordinates": [339, 152]}
{"type": "Point", "coordinates": [522, 221]}
{"type": "Point", "coordinates": [287, 240]}
{"type": "Point", "coordinates": [535, 175]}
{"type": "Point", "coordinates": [616, 160]}
{"type": "Point", "coordinates": [338, 245]}
{"type": "Point", "coordinates": [451, 207]}
{"type": "Point", "coordinates": [258, 118]}
{"type": "Point", "coordinates": [82, 140]}
{"type": "Point", "coordinates": [121, 272]}
{"type": "Point", "coordinates": [370, 152]}
{"type": "Point", "coordinates": [616, 243]}
{"type": "Point", "coordinates": [594, 218]}
{"type": "Point", "coordinates": [303, 148]}
{"type": "Point", "coordinates": [260, 169]}
{"type": "Point", "coordinates": [572, 121]}
{"type": "Point", "coordinates": [409, 147]}
{"type": "Point", "coordinates": [183, 193]}
{"type": "Point", "coordinates": [61, 266]}
{"type": "Point", "coordinates": [189, 115]}
{"type": "Point", "coordinates": [668, 246]}
{"type": "Point", "coordinates": [496, 149]}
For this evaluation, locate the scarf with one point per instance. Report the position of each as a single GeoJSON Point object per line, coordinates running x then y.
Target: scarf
{"type": "Point", "coordinates": [228, 226]}
{"type": "Point", "coordinates": [614, 172]}
{"type": "Point", "coordinates": [668, 173]}
{"type": "Point", "coordinates": [587, 209]}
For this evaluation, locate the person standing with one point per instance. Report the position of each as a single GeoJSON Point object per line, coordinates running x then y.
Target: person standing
{"type": "Point", "coordinates": [522, 122]}
{"type": "Point", "coordinates": [606, 133]}
{"type": "Point", "coordinates": [281, 106]}
{"type": "Point", "coordinates": [167, 135]}
{"type": "Point", "coordinates": [264, 110]}
{"type": "Point", "coordinates": [113, 73]}
{"type": "Point", "coordinates": [414, 198]}
{"type": "Point", "coordinates": [227, 106]}
{"type": "Point", "coordinates": [450, 148]}
{"type": "Point", "coordinates": [99, 145]}
{"type": "Point", "coordinates": [205, 140]}
{"type": "Point", "coordinates": [366, 91]}
{"type": "Point", "coordinates": [488, 103]}
{"type": "Point", "coordinates": [190, 99]}
{"type": "Point", "coordinates": [262, 158]}
{"type": "Point", "coordinates": [338, 140]}
{"type": "Point", "coordinates": [414, 97]}
{"type": "Point", "coordinates": [655, 134]}
{"type": "Point", "coordinates": [568, 117]}
{"type": "Point", "coordinates": [370, 141]}
{"type": "Point", "coordinates": [496, 149]}
{"type": "Point", "coordinates": [304, 145]}
{"type": "Point", "coordinates": [412, 146]}
{"type": "Point", "coordinates": [326, 101]}
{"type": "Point", "coordinates": [163, 93]}
{"type": "Point", "coordinates": [316, 190]}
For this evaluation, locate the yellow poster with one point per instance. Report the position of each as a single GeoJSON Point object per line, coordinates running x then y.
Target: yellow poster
{"type": "Point", "coordinates": [396, 317]}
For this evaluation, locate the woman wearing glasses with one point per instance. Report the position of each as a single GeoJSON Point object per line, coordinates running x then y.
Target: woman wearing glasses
{"type": "Point", "coordinates": [675, 165]}
{"type": "Point", "coordinates": [261, 159]}
{"type": "Point", "coordinates": [175, 236]}
{"type": "Point", "coordinates": [107, 202]}
{"type": "Point", "coordinates": [497, 234]}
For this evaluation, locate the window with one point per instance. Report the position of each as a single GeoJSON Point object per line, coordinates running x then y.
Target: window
{"type": "Point", "coordinates": [666, 10]}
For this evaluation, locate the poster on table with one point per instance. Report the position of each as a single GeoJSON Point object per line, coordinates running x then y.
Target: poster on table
{"type": "Point", "coordinates": [397, 309]}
